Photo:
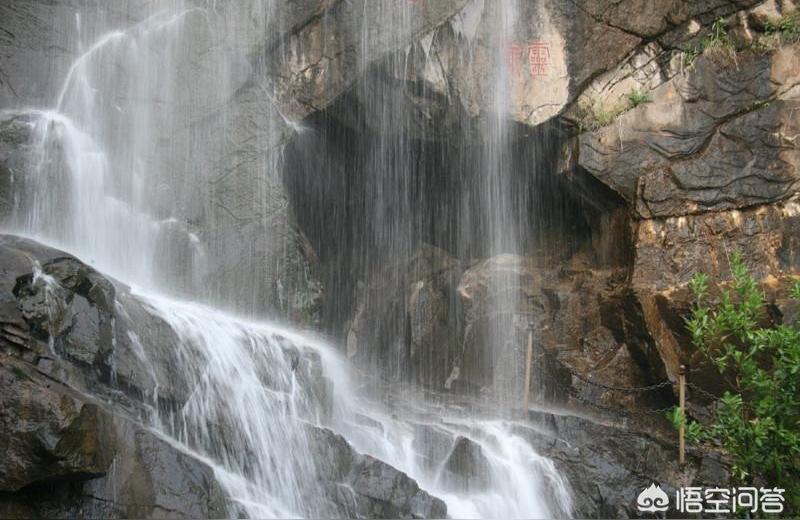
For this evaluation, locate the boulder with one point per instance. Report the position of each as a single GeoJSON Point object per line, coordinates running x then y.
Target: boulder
{"type": "Point", "coordinates": [408, 314]}
{"type": "Point", "coordinates": [360, 486]}
{"type": "Point", "coordinates": [466, 469]}
{"type": "Point", "coordinates": [69, 456]}
{"type": "Point", "coordinates": [80, 327]}
{"type": "Point", "coordinates": [68, 332]}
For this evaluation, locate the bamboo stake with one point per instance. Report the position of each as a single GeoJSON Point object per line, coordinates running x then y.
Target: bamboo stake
{"type": "Point", "coordinates": [528, 372]}
{"type": "Point", "coordinates": [682, 404]}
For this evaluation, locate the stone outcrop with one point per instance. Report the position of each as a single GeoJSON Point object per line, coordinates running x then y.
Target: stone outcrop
{"type": "Point", "coordinates": [360, 486]}
{"type": "Point", "coordinates": [66, 335]}
{"type": "Point", "coordinates": [78, 327]}
{"type": "Point", "coordinates": [67, 456]}
{"type": "Point", "coordinates": [717, 137]}
{"type": "Point", "coordinates": [708, 166]}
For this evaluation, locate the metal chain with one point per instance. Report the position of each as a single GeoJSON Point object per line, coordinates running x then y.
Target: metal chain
{"type": "Point", "coordinates": [622, 388]}
{"type": "Point", "coordinates": [658, 411]}
{"type": "Point", "coordinates": [574, 394]}
{"type": "Point", "coordinates": [653, 411]}
{"type": "Point", "coordinates": [702, 392]}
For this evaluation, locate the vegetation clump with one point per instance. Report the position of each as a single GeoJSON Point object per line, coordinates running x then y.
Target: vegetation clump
{"type": "Point", "coordinates": [757, 421]}
{"type": "Point", "coordinates": [718, 45]}
{"type": "Point", "coordinates": [782, 31]}
{"type": "Point", "coordinates": [721, 47]}
{"type": "Point", "coordinates": [597, 113]}
{"type": "Point", "coordinates": [637, 97]}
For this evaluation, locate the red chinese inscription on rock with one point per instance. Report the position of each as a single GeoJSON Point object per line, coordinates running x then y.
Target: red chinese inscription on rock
{"type": "Point", "coordinates": [514, 57]}
{"type": "Point", "coordinates": [538, 56]}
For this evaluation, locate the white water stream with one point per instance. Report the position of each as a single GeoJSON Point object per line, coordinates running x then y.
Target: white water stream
{"type": "Point", "coordinates": [90, 194]}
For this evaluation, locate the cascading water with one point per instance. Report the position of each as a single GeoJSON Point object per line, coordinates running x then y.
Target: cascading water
{"type": "Point", "coordinates": [90, 190]}
{"type": "Point", "coordinates": [510, 479]}
{"type": "Point", "coordinates": [500, 219]}
{"type": "Point", "coordinates": [101, 188]}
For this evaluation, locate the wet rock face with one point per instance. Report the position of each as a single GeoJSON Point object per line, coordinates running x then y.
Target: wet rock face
{"type": "Point", "coordinates": [408, 318]}
{"type": "Point", "coordinates": [68, 456]}
{"type": "Point", "coordinates": [608, 463]}
{"type": "Point", "coordinates": [67, 333]}
{"type": "Point", "coordinates": [360, 486]}
{"type": "Point", "coordinates": [466, 468]}
{"type": "Point", "coordinates": [585, 325]}
{"type": "Point", "coordinates": [585, 322]}
{"type": "Point", "coordinates": [47, 435]}
{"type": "Point", "coordinates": [15, 141]}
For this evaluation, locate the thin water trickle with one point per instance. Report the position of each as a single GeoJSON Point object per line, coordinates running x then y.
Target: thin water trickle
{"type": "Point", "coordinates": [97, 163]}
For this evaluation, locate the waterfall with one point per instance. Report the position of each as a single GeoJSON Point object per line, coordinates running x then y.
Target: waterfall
{"type": "Point", "coordinates": [93, 188]}
{"type": "Point", "coordinates": [500, 215]}
{"type": "Point", "coordinates": [102, 187]}
{"type": "Point", "coordinates": [248, 403]}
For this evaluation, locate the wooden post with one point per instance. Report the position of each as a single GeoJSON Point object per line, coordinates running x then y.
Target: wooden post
{"type": "Point", "coordinates": [528, 362]}
{"type": "Point", "coordinates": [682, 404]}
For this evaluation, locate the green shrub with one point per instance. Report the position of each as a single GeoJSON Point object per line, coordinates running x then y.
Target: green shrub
{"type": "Point", "coordinates": [758, 421]}
{"type": "Point", "coordinates": [787, 27]}
{"type": "Point", "coordinates": [637, 97]}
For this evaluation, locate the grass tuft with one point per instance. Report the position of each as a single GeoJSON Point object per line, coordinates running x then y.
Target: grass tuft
{"type": "Point", "coordinates": [638, 97]}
